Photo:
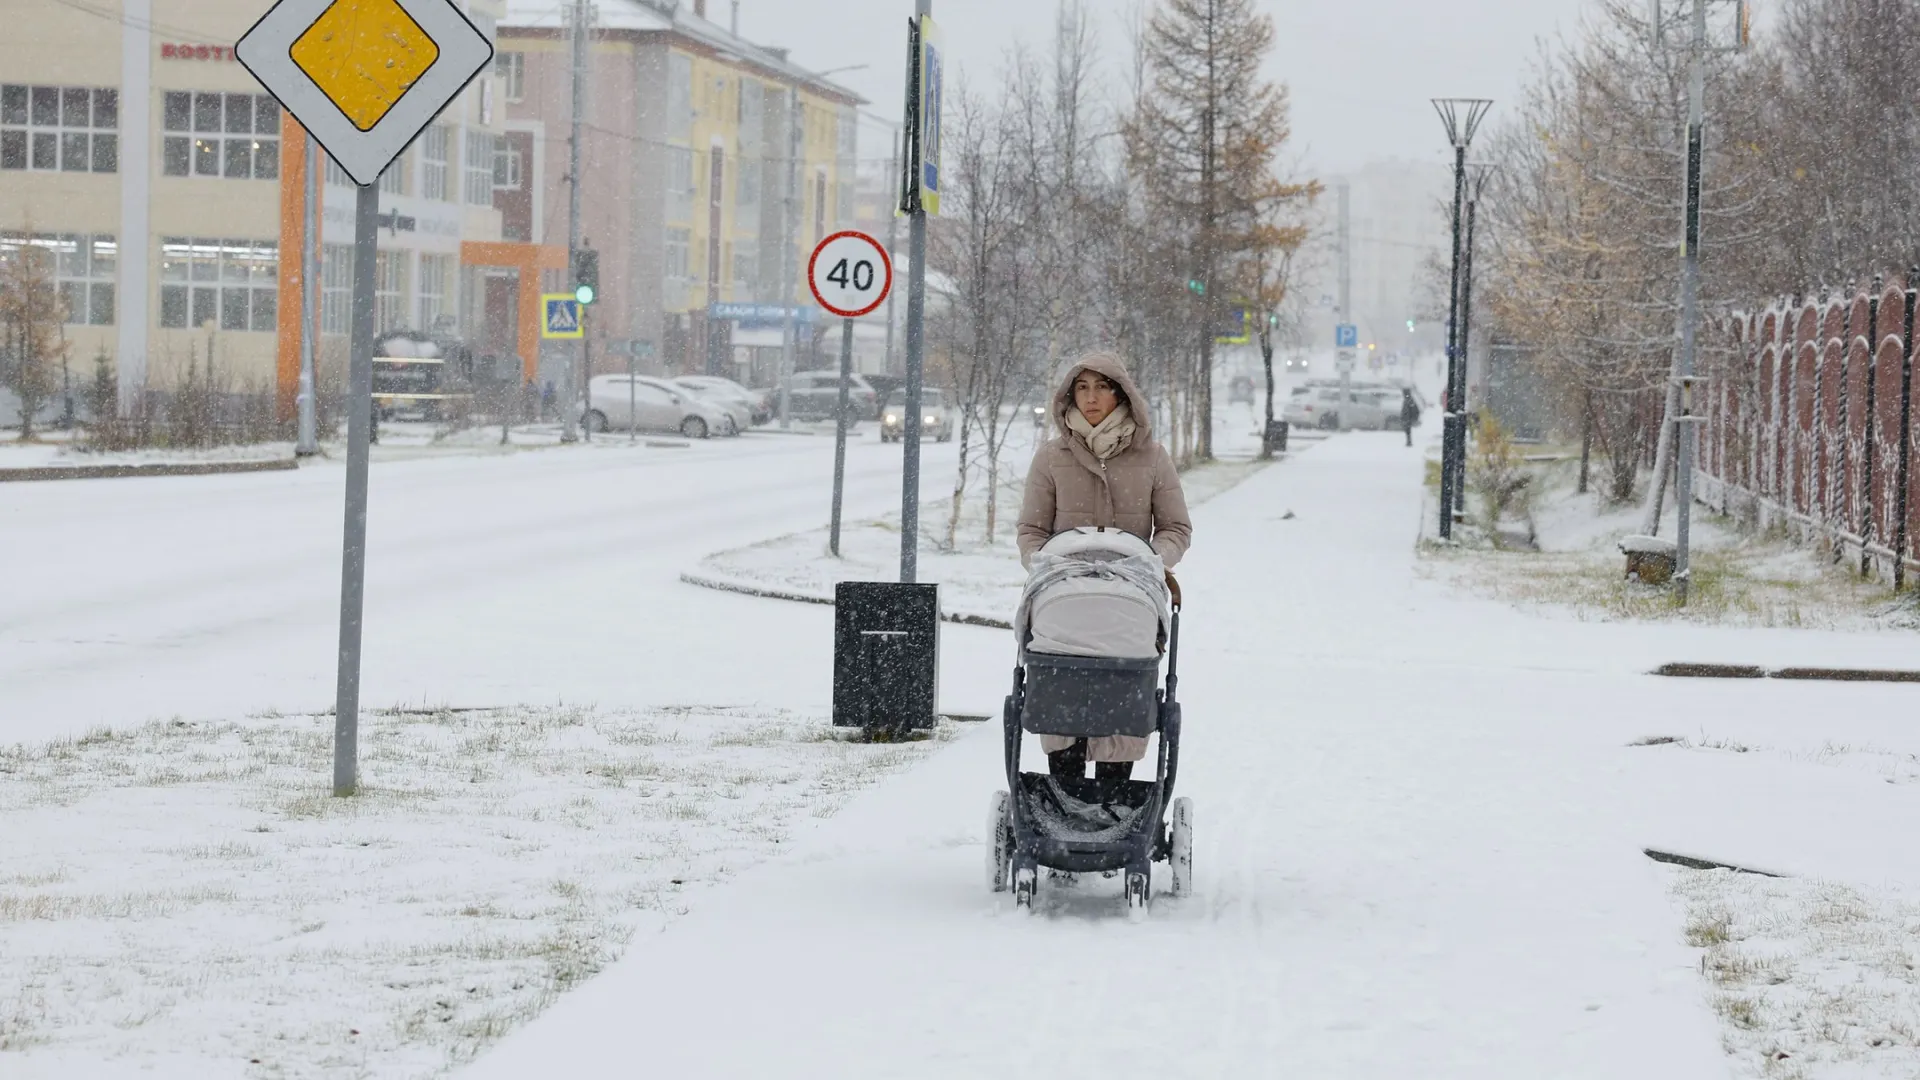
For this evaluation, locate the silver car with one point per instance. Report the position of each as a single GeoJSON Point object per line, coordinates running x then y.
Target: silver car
{"type": "Point", "coordinates": [759, 402]}
{"type": "Point", "coordinates": [620, 403]}
{"type": "Point", "coordinates": [715, 392]}
{"type": "Point", "coordinates": [1324, 407]}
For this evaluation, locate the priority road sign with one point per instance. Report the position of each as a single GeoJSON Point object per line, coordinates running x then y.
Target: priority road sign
{"type": "Point", "coordinates": [561, 316]}
{"type": "Point", "coordinates": [1346, 336]}
{"type": "Point", "coordinates": [365, 77]}
{"type": "Point", "coordinates": [850, 274]}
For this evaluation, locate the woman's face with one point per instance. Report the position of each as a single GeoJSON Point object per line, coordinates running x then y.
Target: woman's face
{"type": "Point", "coordinates": [1094, 396]}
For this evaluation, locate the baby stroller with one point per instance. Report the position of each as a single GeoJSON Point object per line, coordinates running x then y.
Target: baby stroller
{"type": "Point", "coordinates": [1091, 628]}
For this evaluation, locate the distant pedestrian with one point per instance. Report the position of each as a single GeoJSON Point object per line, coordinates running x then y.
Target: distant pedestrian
{"type": "Point", "coordinates": [1409, 412]}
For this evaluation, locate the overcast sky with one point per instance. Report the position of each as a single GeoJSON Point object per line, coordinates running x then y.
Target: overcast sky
{"type": "Point", "coordinates": [1361, 71]}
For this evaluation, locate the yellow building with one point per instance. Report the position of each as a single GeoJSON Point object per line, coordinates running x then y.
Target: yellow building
{"type": "Point", "coordinates": [686, 162]}
{"type": "Point", "coordinates": [134, 145]}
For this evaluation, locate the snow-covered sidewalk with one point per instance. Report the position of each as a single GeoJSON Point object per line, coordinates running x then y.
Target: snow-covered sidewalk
{"type": "Point", "coordinates": [1419, 850]}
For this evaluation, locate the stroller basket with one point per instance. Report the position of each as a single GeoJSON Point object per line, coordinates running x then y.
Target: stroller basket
{"type": "Point", "coordinates": [1091, 696]}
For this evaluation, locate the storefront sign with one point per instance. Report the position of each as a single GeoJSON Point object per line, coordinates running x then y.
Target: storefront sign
{"type": "Point", "coordinates": [170, 51]}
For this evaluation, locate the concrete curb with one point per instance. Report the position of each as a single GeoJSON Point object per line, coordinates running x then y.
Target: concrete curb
{"type": "Point", "coordinates": [117, 472]}
{"type": "Point", "coordinates": [725, 583]}
{"type": "Point", "coordinates": [1794, 674]}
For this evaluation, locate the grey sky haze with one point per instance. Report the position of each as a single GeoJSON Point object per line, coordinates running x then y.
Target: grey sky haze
{"type": "Point", "coordinates": [1360, 71]}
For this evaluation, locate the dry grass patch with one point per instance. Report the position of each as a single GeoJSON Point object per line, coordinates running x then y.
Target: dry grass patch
{"type": "Point", "coordinates": [1810, 978]}
{"type": "Point", "coordinates": [193, 893]}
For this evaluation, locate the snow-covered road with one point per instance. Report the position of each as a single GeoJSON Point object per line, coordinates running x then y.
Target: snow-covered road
{"type": "Point", "coordinates": [539, 577]}
{"type": "Point", "coordinates": [1419, 851]}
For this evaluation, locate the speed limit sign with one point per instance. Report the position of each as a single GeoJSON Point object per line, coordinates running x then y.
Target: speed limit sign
{"type": "Point", "coordinates": [850, 274]}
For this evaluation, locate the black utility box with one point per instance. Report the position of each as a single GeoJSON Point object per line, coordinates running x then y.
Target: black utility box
{"type": "Point", "coordinates": [1275, 441]}
{"type": "Point", "coordinates": [886, 655]}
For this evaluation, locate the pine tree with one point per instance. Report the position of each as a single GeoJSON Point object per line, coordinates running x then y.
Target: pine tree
{"type": "Point", "coordinates": [1205, 135]}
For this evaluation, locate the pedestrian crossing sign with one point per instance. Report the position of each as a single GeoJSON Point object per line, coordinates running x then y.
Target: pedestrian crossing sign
{"type": "Point", "coordinates": [562, 316]}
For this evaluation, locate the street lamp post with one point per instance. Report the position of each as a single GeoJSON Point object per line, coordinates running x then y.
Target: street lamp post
{"type": "Point", "coordinates": [1462, 117]}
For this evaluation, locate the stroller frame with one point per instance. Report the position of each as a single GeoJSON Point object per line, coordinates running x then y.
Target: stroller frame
{"type": "Point", "coordinates": [1020, 843]}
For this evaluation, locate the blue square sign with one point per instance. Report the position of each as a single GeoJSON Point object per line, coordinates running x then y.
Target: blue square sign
{"type": "Point", "coordinates": [1346, 336]}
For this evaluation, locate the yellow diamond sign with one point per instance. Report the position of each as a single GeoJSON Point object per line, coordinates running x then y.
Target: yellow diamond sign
{"type": "Point", "coordinates": [365, 77]}
{"type": "Point", "coordinates": [365, 54]}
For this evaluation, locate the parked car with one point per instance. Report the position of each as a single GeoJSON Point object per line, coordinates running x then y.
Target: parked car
{"type": "Point", "coordinates": [759, 403]}
{"type": "Point", "coordinates": [1240, 391]}
{"type": "Point", "coordinates": [1323, 406]}
{"type": "Point", "coordinates": [729, 397]}
{"type": "Point", "coordinates": [620, 403]}
{"type": "Point", "coordinates": [936, 419]}
{"type": "Point", "coordinates": [816, 394]}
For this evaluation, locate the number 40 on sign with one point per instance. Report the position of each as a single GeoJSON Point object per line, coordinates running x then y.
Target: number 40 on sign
{"type": "Point", "coordinates": [850, 274]}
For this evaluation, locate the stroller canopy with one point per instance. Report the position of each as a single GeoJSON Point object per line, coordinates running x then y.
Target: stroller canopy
{"type": "Point", "coordinates": [1094, 592]}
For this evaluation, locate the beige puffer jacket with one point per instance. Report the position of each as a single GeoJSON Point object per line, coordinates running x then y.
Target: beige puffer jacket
{"type": "Point", "coordinates": [1137, 490]}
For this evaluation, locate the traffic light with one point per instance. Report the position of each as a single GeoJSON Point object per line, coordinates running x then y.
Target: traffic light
{"type": "Point", "coordinates": [586, 275]}
{"type": "Point", "coordinates": [1197, 287]}
{"type": "Point", "coordinates": [1409, 326]}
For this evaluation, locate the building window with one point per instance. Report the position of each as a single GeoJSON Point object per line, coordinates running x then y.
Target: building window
{"type": "Point", "coordinates": [746, 178]}
{"type": "Point", "coordinates": [511, 67]}
{"type": "Point", "coordinates": [680, 189]}
{"type": "Point", "coordinates": [232, 283]}
{"type": "Point", "coordinates": [679, 257]}
{"type": "Point", "coordinates": [59, 128]}
{"type": "Point", "coordinates": [479, 168]}
{"type": "Point", "coordinates": [390, 290]}
{"type": "Point", "coordinates": [744, 273]}
{"type": "Point", "coordinates": [336, 288]}
{"type": "Point", "coordinates": [435, 272]}
{"type": "Point", "coordinates": [236, 136]}
{"type": "Point", "coordinates": [679, 96]}
{"type": "Point", "coordinates": [435, 145]}
{"type": "Point", "coordinates": [83, 271]}
{"type": "Point", "coordinates": [394, 180]}
{"type": "Point", "coordinates": [507, 168]}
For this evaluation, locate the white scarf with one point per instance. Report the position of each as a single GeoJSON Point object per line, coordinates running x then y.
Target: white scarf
{"type": "Point", "coordinates": [1114, 434]}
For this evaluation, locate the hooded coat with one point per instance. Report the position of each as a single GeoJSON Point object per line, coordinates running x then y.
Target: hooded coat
{"type": "Point", "coordinates": [1136, 490]}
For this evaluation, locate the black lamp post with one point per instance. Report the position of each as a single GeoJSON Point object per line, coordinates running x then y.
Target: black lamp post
{"type": "Point", "coordinates": [1462, 117]}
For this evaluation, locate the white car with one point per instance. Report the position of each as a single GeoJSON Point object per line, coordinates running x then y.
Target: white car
{"type": "Point", "coordinates": [759, 402]}
{"type": "Point", "coordinates": [1323, 407]}
{"type": "Point", "coordinates": [739, 410]}
{"type": "Point", "coordinates": [620, 403]}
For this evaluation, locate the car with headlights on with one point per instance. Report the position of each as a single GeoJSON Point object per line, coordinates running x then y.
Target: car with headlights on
{"type": "Point", "coordinates": [936, 418]}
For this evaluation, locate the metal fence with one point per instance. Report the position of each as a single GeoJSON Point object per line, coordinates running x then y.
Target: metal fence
{"type": "Point", "coordinates": [1809, 423]}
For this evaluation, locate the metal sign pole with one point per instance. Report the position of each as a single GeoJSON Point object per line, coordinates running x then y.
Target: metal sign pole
{"type": "Point", "coordinates": [840, 437]}
{"type": "Point", "coordinates": [353, 565]}
{"type": "Point", "coordinates": [925, 130]}
{"type": "Point", "coordinates": [309, 439]}
{"type": "Point", "coordinates": [633, 397]}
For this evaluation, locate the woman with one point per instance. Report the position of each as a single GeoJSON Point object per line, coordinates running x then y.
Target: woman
{"type": "Point", "coordinates": [1103, 469]}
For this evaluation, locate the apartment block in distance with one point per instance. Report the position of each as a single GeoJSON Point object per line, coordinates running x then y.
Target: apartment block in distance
{"type": "Point", "coordinates": [688, 135]}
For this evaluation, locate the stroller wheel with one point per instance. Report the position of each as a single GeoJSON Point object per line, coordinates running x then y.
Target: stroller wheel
{"type": "Point", "coordinates": [999, 843]}
{"type": "Point", "coordinates": [1024, 883]}
{"type": "Point", "coordinates": [1181, 855]}
{"type": "Point", "coordinates": [1139, 889]}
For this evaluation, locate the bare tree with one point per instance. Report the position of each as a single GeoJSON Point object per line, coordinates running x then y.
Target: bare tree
{"type": "Point", "coordinates": [33, 344]}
